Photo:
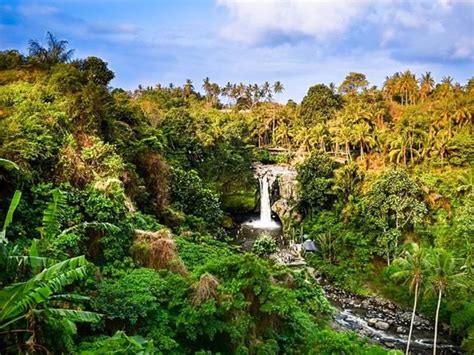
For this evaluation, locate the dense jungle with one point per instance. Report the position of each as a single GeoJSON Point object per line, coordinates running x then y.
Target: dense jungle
{"type": "Point", "coordinates": [119, 211]}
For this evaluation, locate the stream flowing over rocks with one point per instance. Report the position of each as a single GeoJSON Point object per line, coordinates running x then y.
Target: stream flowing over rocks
{"type": "Point", "coordinates": [381, 320]}
{"type": "Point", "coordinates": [386, 323]}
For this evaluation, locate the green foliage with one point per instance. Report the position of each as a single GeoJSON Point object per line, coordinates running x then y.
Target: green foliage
{"type": "Point", "coordinates": [121, 160]}
{"type": "Point", "coordinates": [346, 252]}
{"type": "Point", "coordinates": [96, 70]}
{"type": "Point", "coordinates": [134, 298]}
{"type": "Point", "coordinates": [196, 250]}
{"type": "Point", "coordinates": [239, 202]}
{"type": "Point", "coordinates": [353, 83]}
{"type": "Point", "coordinates": [31, 132]}
{"type": "Point", "coordinates": [8, 164]}
{"type": "Point", "coordinates": [393, 204]}
{"type": "Point", "coordinates": [190, 195]}
{"type": "Point", "coordinates": [36, 302]}
{"type": "Point", "coordinates": [462, 322]}
{"type": "Point", "coordinates": [315, 177]}
{"type": "Point", "coordinates": [264, 245]}
{"type": "Point", "coordinates": [9, 217]}
{"type": "Point", "coordinates": [118, 343]}
{"type": "Point", "coordinates": [319, 104]}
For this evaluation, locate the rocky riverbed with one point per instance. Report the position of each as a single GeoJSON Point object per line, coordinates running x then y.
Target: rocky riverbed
{"type": "Point", "coordinates": [386, 323]}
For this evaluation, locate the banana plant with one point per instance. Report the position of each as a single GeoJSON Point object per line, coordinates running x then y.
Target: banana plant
{"type": "Point", "coordinates": [9, 165]}
{"type": "Point", "coordinates": [9, 217]}
{"type": "Point", "coordinates": [40, 300]}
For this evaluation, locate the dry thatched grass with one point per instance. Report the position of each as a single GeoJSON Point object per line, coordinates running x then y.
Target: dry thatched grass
{"type": "Point", "coordinates": [157, 250]}
{"type": "Point", "coordinates": [110, 186]}
{"type": "Point", "coordinates": [204, 289]}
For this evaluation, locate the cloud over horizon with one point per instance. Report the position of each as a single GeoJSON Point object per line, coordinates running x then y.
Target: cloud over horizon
{"type": "Point", "coordinates": [297, 42]}
{"type": "Point", "coordinates": [439, 28]}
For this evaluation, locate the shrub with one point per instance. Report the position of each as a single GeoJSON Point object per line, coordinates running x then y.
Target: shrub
{"type": "Point", "coordinates": [156, 250]}
{"type": "Point", "coordinates": [191, 196]}
{"type": "Point", "coordinates": [315, 177]}
{"type": "Point", "coordinates": [264, 245]}
{"type": "Point", "coordinates": [118, 343]}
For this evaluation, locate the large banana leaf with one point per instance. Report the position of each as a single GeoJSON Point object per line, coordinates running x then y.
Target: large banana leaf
{"type": "Point", "coordinates": [8, 164]}
{"type": "Point", "coordinates": [74, 315]}
{"type": "Point", "coordinates": [16, 299]}
{"type": "Point", "coordinates": [9, 218]}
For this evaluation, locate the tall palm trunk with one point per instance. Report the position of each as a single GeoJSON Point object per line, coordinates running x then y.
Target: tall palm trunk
{"type": "Point", "coordinates": [436, 322]}
{"type": "Point", "coordinates": [412, 318]}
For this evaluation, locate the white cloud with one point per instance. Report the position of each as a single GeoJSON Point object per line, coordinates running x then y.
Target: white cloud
{"type": "Point", "coordinates": [112, 28]}
{"type": "Point", "coordinates": [37, 10]}
{"type": "Point", "coordinates": [464, 48]}
{"type": "Point", "coordinates": [251, 21]}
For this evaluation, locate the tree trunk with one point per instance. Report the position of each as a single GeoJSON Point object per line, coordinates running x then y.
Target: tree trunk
{"type": "Point", "coordinates": [436, 322]}
{"type": "Point", "coordinates": [387, 246]}
{"type": "Point", "coordinates": [348, 152]}
{"type": "Point", "coordinates": [412, 318]}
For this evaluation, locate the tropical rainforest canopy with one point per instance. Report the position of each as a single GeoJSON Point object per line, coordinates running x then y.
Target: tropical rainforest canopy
{"type": "Point", "coordinates": [118, 208]}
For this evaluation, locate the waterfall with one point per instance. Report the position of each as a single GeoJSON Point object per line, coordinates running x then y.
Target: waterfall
{"type": "Point", "coordinates": [265, 221]}
{"type": "Point", "coordinates": [265, 208]}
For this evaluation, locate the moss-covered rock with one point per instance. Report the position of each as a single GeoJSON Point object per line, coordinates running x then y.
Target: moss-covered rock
{"type": "Point", "coordinates": [240, 201]}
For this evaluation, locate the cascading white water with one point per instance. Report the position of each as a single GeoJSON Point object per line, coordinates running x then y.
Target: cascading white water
{"type": "Point", "coordinates": [265, 209]}
{"type": "Point", "coordinates": [265, 221]}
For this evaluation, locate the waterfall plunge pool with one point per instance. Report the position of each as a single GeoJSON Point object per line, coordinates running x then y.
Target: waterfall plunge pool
{"type": "Point", "coordinates": [266, 223]}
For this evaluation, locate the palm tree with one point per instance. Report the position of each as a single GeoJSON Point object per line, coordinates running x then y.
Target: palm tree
{"type": "Point", "coordinates": [215, 92]}
{"type": "Point", "coordinates": [206, 85]}
{"type": "Point", "coordinates": [227, 91]}
{"type": "Point", "coordinates": [389, 88]}
{"type": "Point", "coordinates": [362, 135]}
{"type": "Point", "coordinates": [278, 88]}
{"type": "Point", "coordinates": [426, 85]}
{"type": "Point", "coordinates": [462, 111]}
{"type": "Point", "coordinates": [408, 87]}
{"type": "Point", "coordinates": [444, 272]}
{"type": "Point", "coordinates": [376, 114]}
{"type": "Point", "coordinates": [445, 88]}
{"type": "Point", "coordinates": [56, 52]}
{"type": "Point", "coordinates": [411, 266]}
{"type": "Point", "coordinates": [398, 149]}
{"type": "Point", "coordinates": [188, 88]}
{"type": "Point", "coordinates": [267, 91]}
{"type": "Point", "coordinates": [256, 94]}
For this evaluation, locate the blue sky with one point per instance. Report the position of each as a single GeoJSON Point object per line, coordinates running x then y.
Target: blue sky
{"type": "Point", "coordinates": [300, 43]}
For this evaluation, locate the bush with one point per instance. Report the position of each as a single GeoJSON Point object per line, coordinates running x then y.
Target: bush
{"type": "Point", "coordinates": [315, 177]}
{"type": "Point", "coordinates": [192, 197]}
{"type": "Point", "coordinates": [264, 245]}
{"type": "Point", "coordinates": [118, 343]}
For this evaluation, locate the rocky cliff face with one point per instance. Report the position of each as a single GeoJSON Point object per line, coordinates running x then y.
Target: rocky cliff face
{"type": "Point", "coordinates": [283, 190]}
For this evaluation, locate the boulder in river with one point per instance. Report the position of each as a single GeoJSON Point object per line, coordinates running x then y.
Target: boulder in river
{"type": "Point", "coordinates": [372, 321]}
{"type": "Point", "coordinates": [382, 325]}
{"type": "Point", "coordinates": [401, 330]}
